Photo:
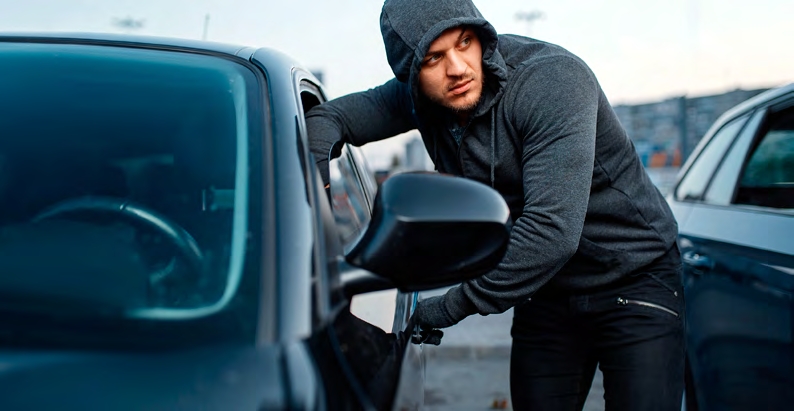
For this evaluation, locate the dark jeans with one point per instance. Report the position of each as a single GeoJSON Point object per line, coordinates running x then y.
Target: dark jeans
{"type": "Point", "coordinates": [633, 330]}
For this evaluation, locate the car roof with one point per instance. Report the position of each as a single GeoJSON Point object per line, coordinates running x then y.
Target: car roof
{"type": "Point", "coordinates": [268, 57]}
{"type": "Point", "coordinates": [753, 102]}
{"type": "Point", "coordinates": [124, 40]}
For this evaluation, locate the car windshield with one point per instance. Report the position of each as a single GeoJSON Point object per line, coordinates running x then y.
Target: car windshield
{"type": "Point", "coordinates": [120, 187]}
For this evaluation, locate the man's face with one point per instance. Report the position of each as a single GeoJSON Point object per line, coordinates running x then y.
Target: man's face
{"type": "Point", "coordinates": [451, 73]}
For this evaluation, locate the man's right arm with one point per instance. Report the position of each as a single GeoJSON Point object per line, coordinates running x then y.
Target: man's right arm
{"type": "Point", "coordinates": [359, 118]}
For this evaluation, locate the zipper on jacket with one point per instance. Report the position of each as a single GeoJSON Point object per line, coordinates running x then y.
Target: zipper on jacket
{"type": "Point", "coordinates": [624, 301]}
{"type": "Point", "coordinates": [460, 148]}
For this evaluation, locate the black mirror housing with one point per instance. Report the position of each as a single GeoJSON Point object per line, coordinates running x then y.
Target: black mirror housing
{"type": "Point", "coordinates": [430, 230]}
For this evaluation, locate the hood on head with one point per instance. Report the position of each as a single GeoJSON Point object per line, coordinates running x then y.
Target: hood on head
{"type": "Point", "coordinates": [410, 26]}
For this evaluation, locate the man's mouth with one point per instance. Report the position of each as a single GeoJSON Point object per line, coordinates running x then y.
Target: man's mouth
{"type": "Point", "coordinates": [462, 87]}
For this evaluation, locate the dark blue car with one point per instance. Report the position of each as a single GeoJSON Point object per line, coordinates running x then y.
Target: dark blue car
{"type": "Point", "coordinates": [734, 202]}
{"type": "Point", "coordinates": [166, 244]}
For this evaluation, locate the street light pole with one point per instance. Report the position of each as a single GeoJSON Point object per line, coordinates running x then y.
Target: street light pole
{"type": "Point", "coordinates": [206, 26]}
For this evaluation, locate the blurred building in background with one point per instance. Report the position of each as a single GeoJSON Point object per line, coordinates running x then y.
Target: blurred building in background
{"type": "Point", "coordinates": [413, 158]}
{"type": "Point", "coordinates": [665, 132]}
{"type": "Point", "coordinates": [416, 157]}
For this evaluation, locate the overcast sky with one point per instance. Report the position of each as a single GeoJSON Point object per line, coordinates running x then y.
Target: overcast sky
{"type": "Point", "coordinates": [640, 50]}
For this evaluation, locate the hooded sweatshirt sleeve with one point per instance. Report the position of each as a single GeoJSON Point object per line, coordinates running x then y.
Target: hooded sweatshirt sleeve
{"type": "Point", "coordinates": [555, 109]}
{"type": "Point", "coordinates": [359, 118]}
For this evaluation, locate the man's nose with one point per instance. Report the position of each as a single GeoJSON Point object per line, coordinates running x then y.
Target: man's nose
{"type": "Point", "coordinates": [456, 66]}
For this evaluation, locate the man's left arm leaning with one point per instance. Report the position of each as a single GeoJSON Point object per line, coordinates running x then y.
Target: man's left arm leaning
{"type": "Point", "coordinates": [359, 118]}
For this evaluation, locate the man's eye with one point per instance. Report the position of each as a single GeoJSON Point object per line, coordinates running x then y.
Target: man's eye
{"type": "Point", "coordinates": [466, 41]}
{"type": "Point", "coordinates": [434, 57]}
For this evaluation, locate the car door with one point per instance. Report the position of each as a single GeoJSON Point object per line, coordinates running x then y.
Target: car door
{"type": "Point", "coordinates": [389, 310]}
{"type": "Point", "coordinates": [368, 329]}
{"type": "Point", "coordinates": [737, 209]}
{"type": "Point", "coordinates": [353, 190]}
{"type": "Point", "coordinates": [409, 393]}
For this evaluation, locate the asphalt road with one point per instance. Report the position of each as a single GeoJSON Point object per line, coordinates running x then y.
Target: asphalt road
{"type": "Point", "coordinates": [480, 384]}
{"type": "Point", "coordinates": [470, 369]}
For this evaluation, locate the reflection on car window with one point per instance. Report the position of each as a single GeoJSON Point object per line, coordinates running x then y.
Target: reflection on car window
{"type": "Point", "coordinates": [120, 188]}
{"type": "Point", "coordinates": [367, 179]}
{"type": "Point", "coordinates": [721, 188]}
{"type": "Point", "coordinates": [696, 179]}
{"type": "Point", "coordinates": [768, 178]}
{"type": "Point", "coordinates": [348, 198]}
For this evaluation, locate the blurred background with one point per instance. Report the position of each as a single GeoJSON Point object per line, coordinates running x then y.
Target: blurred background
{"type": "Point", "coordinates": [670, 68]}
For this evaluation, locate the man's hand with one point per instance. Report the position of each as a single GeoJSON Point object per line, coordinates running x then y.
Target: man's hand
{"type": "Point", "coordinates": [433, 313]}
{"type": "Point", "coordinates": [422, 335]}
{"type": "Point", "coordinates": [438, 312]}
{"type": "Point", "coordinates": [426, 336]}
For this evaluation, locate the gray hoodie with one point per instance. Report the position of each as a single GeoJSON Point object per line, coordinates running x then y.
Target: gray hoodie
{"type": "Point", "coordinates": [544, 135]}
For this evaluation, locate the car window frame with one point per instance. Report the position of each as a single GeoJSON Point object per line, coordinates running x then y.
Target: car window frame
{"type": "Point", "coordinates": [344, 153]}
{"type": "Point", "coordinates": [365, 177]}
{"type": "Point", "coordinates": [745, 117]}
{"type": "Point", "coordinates": [756, 118]}
{"type": "Point", "coordinates": [782, 103]}
{"type": "Point", "coordinates": [324, 254]}
{"type": "Point", "coordinates": [773, 105]}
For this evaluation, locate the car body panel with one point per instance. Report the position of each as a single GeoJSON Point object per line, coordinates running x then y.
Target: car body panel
{"type": "Point", "coordinates": [710, 222]}
{"type": "Point", "coordinates": [210, 379]}
{"type": "Point", "coordinates": [739, 310]}
{"type": "Point", "coordinates": [294, 218]}
{"type": "Point", "coordinates": [389, 310]}
{"type": "Point", "coordinates": [739, 283]}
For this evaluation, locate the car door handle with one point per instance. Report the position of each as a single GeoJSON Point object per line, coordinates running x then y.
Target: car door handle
{"type": "Point", "coordinates": [699, 262]}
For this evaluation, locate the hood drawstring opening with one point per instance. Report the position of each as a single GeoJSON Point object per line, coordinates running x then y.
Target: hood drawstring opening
{"type": "Point", "coordinates": [493, 149]}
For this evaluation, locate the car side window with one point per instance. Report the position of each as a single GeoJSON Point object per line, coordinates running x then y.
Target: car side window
{"type": "Point", "coordinates": [720, 190]}
{"type": "Point", "coordinates": [694, 183]}
{"type": "Point", "coordinates": [367, 178]}
{"type": "Point", "coordinates": [768, 177]}
{"type": "Point", "coordinates": [349, 198]}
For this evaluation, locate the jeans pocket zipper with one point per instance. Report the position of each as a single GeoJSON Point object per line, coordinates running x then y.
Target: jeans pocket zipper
{"type": "Point", "coordinates": [624, 301]}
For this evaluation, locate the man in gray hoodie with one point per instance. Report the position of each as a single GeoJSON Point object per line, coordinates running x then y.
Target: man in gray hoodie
{"type": "Point", "coordinates": [592, 267]}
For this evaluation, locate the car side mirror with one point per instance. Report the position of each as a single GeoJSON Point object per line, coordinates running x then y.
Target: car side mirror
{"type": "Point", "coordinates": [428, 230]}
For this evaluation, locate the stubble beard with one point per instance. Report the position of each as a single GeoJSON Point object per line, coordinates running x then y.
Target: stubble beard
{"type": "Point", "coordinates": [457, 108]}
